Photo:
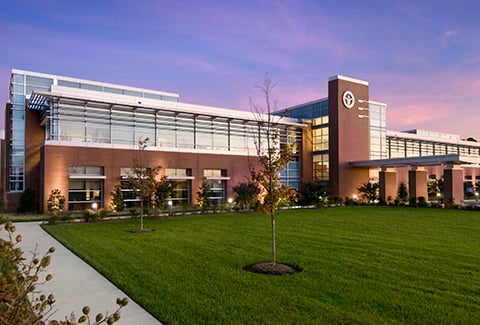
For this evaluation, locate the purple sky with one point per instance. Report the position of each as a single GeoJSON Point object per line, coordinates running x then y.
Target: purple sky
{"type": "Point", "coordinates": [422, 58]}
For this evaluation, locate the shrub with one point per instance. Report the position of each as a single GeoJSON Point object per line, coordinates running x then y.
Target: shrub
{"type": "Point", "coordinates": [412, 201]}
{"type": "Point", "coordinates": [94, 216]}
{"type": "Point", "coordinates": [20, 303]}
{"type": "Point", "coordinates": [118, 204]}
{"type": "Point", "coordinates": [27, 201]}
{"type": "Point", "coordinates": [247, 194]}
{"type": "Point", "coordinates": [402, 192]}
{"type": "Point", "coordinates": [56, 202]}
{"type": "Point", "coordinates": [369, 191]}
{"type": "Point", "coordinates": [422, 202]}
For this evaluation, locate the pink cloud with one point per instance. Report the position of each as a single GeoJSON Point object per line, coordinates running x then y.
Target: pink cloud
{"type": "Point", "coordinates": [441, 101]}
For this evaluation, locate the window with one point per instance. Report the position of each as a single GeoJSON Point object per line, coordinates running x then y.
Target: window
{"type": "Point", "coordinates": [216, 179]}
{"type": "Point", "coordinates": [321, 167]}
{"type": "Point", "coordinates": [85, 187]}
{"type": "Point", "coordinates": [182, 185]}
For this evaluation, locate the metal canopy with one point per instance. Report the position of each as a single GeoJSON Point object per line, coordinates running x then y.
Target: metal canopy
{"type": "Point", "coordinates": [451, 159]}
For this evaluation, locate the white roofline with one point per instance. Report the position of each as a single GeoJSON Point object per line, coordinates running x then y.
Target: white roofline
{"type": "Point", "coordinates": [340, 77]}
{"type": "Point", "coordinates": [414, 136]}
{"type": "Point", "coordinates": [92, 82]}
{"type": "Point", "coordinates": [125, 100]}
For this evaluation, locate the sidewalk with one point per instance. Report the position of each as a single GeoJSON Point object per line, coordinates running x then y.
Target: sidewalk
{"type": "Point", "coordinates": [75, 283]}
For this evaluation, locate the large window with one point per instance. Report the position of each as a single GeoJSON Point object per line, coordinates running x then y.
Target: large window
{"type": "Point", "coordinates": [216, 179]}
{"type": "Point", "coordinates": [130, 198]}
{"type": "Point", "coordinates": [77, 121]}
{"type": "Point", "coordinates": [85, 187]}
{"type": "Point", "coordinates": [378, 131]}
{"type": "Point", "coordinates": [320, 138]}
{"type": "Point", "coordinates": [181, 179]}
{"type": "Point", "coordinates": [321, 167]}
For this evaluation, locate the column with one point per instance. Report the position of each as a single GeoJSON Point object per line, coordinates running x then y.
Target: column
{"type": "Point", "coordinates": [417, 183]}
{"type": "Point", "coordinates": [388, 184]}
{"type": "Point", "coordinates": [453, 186]}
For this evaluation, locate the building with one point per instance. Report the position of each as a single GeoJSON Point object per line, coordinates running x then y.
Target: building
{"type": "Point", "coordinates": [82, 137]}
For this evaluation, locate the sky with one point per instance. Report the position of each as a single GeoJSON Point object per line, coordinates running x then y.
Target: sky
{"type": "Point", "coordinates": [421, 58]}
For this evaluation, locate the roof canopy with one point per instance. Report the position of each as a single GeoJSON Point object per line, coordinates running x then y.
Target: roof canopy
{"type": "Point", "coordinates": [451, 159]}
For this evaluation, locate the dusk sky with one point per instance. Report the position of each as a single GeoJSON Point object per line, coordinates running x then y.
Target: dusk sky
{"type": "Point", "coordinates": [421, 58]}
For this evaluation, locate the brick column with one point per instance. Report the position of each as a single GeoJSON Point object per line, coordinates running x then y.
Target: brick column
{"type": "Point", "coordinates": [453, 186]}
{"type": "Point", "coordinates": [388, 184]}
{"type": "Point", "coordinates": [417, 183]}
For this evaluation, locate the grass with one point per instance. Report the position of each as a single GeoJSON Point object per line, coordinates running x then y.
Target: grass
{"type": "Point", "coordinates": [373, 265]}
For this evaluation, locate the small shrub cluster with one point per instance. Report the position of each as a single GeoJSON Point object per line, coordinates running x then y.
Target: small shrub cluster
{"type": "Point", "coordinates": [94, 215]}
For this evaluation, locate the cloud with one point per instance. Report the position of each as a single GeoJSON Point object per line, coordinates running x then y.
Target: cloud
{"type": "Point", "coordinates": [440, 101]}
{"type": "Point", "coordinates": [448, 35]}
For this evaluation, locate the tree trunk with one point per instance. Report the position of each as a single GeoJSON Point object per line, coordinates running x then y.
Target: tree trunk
{"type": "Point", "coordinates": [274, 250]}
{"type": "Point", "coordinates": [141, 214]}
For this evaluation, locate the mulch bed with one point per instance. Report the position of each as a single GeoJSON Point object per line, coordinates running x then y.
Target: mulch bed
{"type": "Point", "coordinates": [272, 268]}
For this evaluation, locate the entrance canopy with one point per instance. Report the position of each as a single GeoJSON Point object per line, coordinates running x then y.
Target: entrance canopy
{"type": "Point", "coordinates": [451, 159]}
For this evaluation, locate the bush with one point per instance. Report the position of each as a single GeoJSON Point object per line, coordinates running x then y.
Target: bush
{"type": "Point", "coordinates": [94, 216]}
{"type": "Point", "coordinates": [27, 201]}
{"type": "Point", "coordinates": [118, 204]}
{"type": "Point", "coordinates": [422, 202]}
{"type": "Point", "coordinates": [20, 303]}
{"type": "Point", "coordinates": [412, 201]}
{"type": "Point", "coordinates": [56, 202]}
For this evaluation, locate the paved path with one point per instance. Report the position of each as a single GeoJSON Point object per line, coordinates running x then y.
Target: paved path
{"type": "Point", "coordinates": [75, 283]}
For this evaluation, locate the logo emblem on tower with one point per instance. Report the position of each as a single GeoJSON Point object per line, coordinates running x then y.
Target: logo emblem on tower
{"type": "Point", "coordinates": [348, 99]}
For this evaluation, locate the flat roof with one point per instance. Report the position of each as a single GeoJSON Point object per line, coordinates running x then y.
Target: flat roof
{"type": "Point", "coordinates": [340, 77]}
{"type": "Point", "coordinates": [451, 159]}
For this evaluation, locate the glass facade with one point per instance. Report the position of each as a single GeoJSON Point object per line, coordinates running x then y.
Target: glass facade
{"type": "Point", "coordinates": [317, 113]}
{"type": "Point", "coordinates": [23, 83]}
{"type": "Point", "coordinates": [405, 147]}
{"type": "Point", "coordinates": [115, 90]}
{"type": "Point", "coordinates": [96, 122]}
{"type": "Point", "coordinates": [378, 130]}
{"type": "Point", "coordinates": [21, 86]}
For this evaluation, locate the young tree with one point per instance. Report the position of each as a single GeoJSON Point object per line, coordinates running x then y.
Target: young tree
{"type": "Point", "coordinates": [163, 192]}
{"type": "Point", "coordinates": [273, 157]}
{"type": "Point", "coordinates": [144, 179]}
{"type": "Point", "coordinates": [55, 202]}
{"type": "Point", "coordinates": [402, 192]}
{"type": "Point", "coordinates": [203, 197]}
{"type": "Point", "coordinates": [118, 204]}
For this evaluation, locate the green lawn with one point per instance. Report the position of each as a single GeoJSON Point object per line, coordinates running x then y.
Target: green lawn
{"type": "Point", "coordinates": [373, 265]}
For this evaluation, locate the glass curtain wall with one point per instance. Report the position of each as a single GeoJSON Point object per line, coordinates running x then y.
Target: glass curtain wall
{"type": "Point", "coordinates": [71, 120]}
{"type": "Point", "coordinates": [378, 131]}
{"type": "Point", "coordinates": [21, 85]}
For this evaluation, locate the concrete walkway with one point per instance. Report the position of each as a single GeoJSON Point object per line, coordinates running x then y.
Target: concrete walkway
{"type": "Point", "coordinates": [75, 283]}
